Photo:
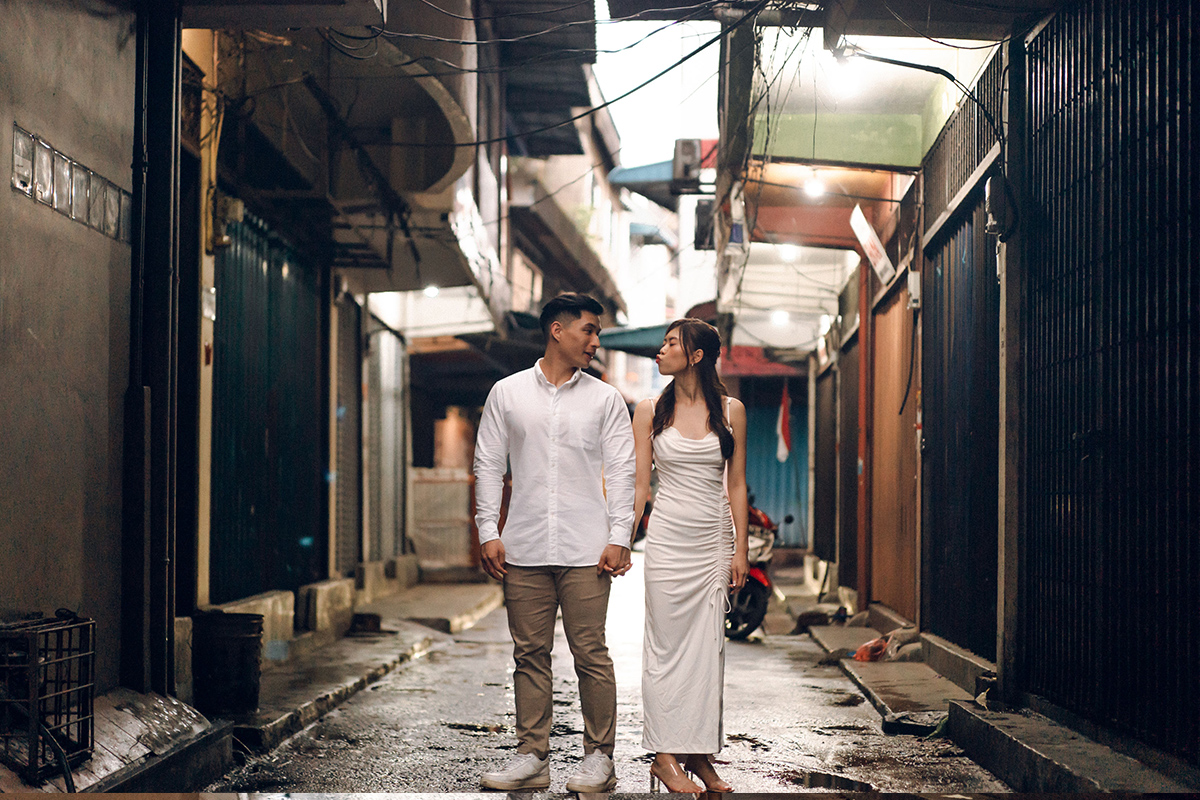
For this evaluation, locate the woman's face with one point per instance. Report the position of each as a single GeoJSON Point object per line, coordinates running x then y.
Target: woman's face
{"type": "Point", "coordinates": [672, 359]}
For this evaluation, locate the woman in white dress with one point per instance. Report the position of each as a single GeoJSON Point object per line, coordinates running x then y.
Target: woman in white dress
{"type": "Point", "coordinates": [695, 436]}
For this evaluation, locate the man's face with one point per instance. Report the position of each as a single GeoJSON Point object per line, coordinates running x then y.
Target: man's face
{"type": "Point", "coordinates": [578, 339]}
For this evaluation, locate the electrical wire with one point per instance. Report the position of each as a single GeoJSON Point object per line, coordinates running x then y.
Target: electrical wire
{"type": "Point", "coordinates": [426, 37]}
{"type": "Point", "coordinates": [560, 55]}
{"type": "Point", "coordinates": [939, 41]}
{"type": "Point", "coordinates": [540, 13]}
{"type": "Point", "coordinates": [588, 112]}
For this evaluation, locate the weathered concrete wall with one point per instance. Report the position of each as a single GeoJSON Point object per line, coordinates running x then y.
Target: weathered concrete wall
{"type": "Point", "coordinates": [67, 75]}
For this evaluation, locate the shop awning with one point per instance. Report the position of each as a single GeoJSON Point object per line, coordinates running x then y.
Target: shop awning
{"type": "Point", "coordinates": [638, 341]}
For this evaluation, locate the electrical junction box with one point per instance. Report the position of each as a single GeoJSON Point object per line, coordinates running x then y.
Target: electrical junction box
{"type": "Point", "coordinates": [914, 289]}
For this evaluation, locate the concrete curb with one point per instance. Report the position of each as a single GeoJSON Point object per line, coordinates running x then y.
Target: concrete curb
{"type": "Point", "coordinates": [267, 731]}
{"type": "Point", "coordinates": [1032, 753]}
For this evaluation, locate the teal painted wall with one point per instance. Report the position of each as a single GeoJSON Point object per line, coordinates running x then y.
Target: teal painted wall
{"type": "Point", "coordinates": [778, 489]}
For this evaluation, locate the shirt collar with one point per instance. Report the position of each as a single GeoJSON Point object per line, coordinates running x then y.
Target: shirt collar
{"type": "Point", "coordinates": [541, 376]}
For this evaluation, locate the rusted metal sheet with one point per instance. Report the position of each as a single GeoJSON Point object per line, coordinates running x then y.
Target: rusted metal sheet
{"type": "Point", "coordinates": [894, 459]}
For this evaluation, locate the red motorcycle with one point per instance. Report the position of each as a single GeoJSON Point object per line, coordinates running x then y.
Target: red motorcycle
{"type": "Point", "coordinates": [748, 605]}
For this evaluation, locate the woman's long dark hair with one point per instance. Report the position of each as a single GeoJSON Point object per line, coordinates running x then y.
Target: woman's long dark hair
{"type": "Point", "coordinates": [696, 334]}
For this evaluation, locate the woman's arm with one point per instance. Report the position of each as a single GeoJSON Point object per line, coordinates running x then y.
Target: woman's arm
{"type": "Point", "coordinates": [643, 420]}
{"type": "Point", "coordinates": [735, 482]}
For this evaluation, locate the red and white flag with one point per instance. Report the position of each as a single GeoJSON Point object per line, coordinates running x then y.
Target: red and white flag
{"type": "Point", "coordinates": [783, 427]}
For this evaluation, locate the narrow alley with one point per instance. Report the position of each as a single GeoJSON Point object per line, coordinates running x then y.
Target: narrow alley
{"type": "Point", "coordinates": [313, 312]}
{"type": "Point", "coordinates": [791, 723]}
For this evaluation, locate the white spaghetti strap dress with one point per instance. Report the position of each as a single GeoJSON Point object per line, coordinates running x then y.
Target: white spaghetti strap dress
{"type": "Point", "coordinates": [689, 549]}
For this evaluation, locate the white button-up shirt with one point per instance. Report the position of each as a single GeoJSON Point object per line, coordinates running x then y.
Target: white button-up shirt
{"type": "Point", "coordinates": [571, 450]}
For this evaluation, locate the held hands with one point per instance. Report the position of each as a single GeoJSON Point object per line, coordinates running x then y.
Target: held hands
{"type": "Point", "coordinates": [615, 560]}
{"type": "Point", "coordinates": [492, 555]}
{"type": "Point", "coordinates": [740, 568]}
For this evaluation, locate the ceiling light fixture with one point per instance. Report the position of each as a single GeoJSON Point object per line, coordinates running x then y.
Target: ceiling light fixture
{"type": "Point", "coordinates": [780, 318]}
{"type": "Point", "coordinates": [814, 187]}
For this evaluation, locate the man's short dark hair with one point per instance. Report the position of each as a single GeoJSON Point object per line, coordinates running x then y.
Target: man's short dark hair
{"type": "Point", "coordinates": [571, 304]}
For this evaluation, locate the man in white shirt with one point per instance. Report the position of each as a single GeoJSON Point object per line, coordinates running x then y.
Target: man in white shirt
{"type": "Point", "coordinates": [569, 440]}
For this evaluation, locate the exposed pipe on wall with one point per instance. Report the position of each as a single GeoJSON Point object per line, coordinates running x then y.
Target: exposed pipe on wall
{"type": "Point", "coordinates": [147, 651]}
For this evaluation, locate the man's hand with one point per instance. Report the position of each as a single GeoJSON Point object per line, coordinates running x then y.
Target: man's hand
{"type": "Point", "coordinates": [615, 560]}
{"type": "Point", "coordinates": [492, 554]}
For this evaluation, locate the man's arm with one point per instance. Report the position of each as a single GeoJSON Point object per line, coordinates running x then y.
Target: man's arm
{"type": "Point", "coordinates": [620, 466]}
{"type": "Point", "coordinates": [491, 462]}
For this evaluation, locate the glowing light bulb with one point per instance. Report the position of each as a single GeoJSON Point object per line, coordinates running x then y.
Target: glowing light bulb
{"type": "Point", "coordinates": [431, 291]}
{"type": "Point", "coordinates": [814, 187]}
{"type": "Point", "coordinates": [787, 252]}
{"type": "Point", "coordinates": [779, 317]}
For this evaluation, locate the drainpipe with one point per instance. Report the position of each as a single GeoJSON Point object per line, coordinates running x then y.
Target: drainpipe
{"type": "Point", "coordinates": [147, 639]}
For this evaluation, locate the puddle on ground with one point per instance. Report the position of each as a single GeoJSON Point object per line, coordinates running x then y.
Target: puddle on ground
{"type": "Point", "coordinates": [824, 780]}
{"type": "Point", "coordinates": [755, 744]}
{"type": "Point", "coordinates": [474, 727]}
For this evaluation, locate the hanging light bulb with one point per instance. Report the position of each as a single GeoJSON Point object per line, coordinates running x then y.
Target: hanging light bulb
{"type": "Point", "coordinates": [431, 291]}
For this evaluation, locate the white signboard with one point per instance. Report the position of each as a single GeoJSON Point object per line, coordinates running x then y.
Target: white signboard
{"type": "Point", "coordinates": [872, 246]}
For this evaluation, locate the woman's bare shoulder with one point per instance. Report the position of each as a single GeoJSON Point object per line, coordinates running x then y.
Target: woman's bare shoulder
{"type": "Point", "coordinates": [644, 410]}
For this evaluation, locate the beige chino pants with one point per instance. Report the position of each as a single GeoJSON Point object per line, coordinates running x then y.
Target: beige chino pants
{"type": "Point", "coordinates": [533, 596]}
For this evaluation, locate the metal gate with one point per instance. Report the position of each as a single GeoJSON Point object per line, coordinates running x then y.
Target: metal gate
{"type": "Point", "coordinates": [1110, 568]}
{"type": "Point", "coordinates": [386, 476]}
{"type": "Point", "coordinates": [267, 475]}
{"type": "Point", "coordinates": [349, 437]}
{"type": "Point", "coordinates": [847, 371]}
{"type": "Point", "coordinates": [824, 536]}
{"type": "Point", "coordinates": [960, 402]}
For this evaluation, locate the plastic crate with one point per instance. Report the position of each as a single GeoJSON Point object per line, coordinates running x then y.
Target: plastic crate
{"type": "Point", "coordinates": [47, 689]}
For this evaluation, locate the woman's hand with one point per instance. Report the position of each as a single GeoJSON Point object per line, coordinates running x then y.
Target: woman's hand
{"type": "Point", "coordinates": [740, 569]}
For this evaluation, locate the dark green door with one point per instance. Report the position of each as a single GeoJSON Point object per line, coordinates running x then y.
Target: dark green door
{"type": "Point", "coordinates": [267, 474]}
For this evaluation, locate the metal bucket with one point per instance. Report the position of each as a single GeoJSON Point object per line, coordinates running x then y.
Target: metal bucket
{"type": "Point", "coordinates": [227, 662]}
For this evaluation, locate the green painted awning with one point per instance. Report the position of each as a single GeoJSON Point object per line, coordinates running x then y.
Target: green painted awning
{"type": "Point", "coordinates": [638, 341]}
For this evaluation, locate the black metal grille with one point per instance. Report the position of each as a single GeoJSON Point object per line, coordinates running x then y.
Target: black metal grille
{"type": "Point", "coordinates": [349, 437]}
{"type": "Point", "coordinates": [824, 538]}
{"type": "Point", "coordinates": [964, 141]}
{"type": "Point", "coordinates": [960, 390]}
{"type": "Point", "coordinates": [1110, 570]}
{"type": "Point", "coordinates": [267, 470]}
{"type": "Point", "coordinates": [847, 369]}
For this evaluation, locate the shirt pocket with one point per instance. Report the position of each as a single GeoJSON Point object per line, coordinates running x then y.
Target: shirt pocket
{"type": "Point", "coordinates": [584, 432]}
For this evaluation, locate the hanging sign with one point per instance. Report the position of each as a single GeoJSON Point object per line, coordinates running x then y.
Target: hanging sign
{"type": "Point", "coordinates": [872, 246]}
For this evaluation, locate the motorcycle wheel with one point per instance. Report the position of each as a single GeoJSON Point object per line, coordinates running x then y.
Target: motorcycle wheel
{"type": "Point", "coordinates": [747, 607]}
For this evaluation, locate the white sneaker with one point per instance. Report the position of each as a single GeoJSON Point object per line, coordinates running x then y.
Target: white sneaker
{"type": "Point", "coordinates": [523, 771]}
{"type": "Point", "coordinates": [595, 774]}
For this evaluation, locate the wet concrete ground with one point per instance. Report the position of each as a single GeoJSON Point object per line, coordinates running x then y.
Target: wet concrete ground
{"type": "Point", "coordinates": [791, 724]}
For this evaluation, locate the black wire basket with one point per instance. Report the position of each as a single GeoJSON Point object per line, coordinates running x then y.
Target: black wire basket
{"type": "Point", "coordinates": [47, 694]}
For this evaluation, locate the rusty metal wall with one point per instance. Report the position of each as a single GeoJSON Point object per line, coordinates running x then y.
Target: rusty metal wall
{"type": "Point", "coordinates": [894, 461]}
{"type": "Point", "coordinates": [960, 401]}
{"type": "Point", "coordinates": [1110, 564]}
{"type": "Point", "coordinates": [824, 536]}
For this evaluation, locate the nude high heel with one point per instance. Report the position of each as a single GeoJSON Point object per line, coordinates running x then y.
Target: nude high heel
{"type": "Point", "coordinates": [708, 775]}
{"type": "Point", "coordinates": [672, 774]}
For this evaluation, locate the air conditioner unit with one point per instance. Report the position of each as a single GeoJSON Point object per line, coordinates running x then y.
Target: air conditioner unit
{"type": "Point", "coordinates": [685, 167]}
